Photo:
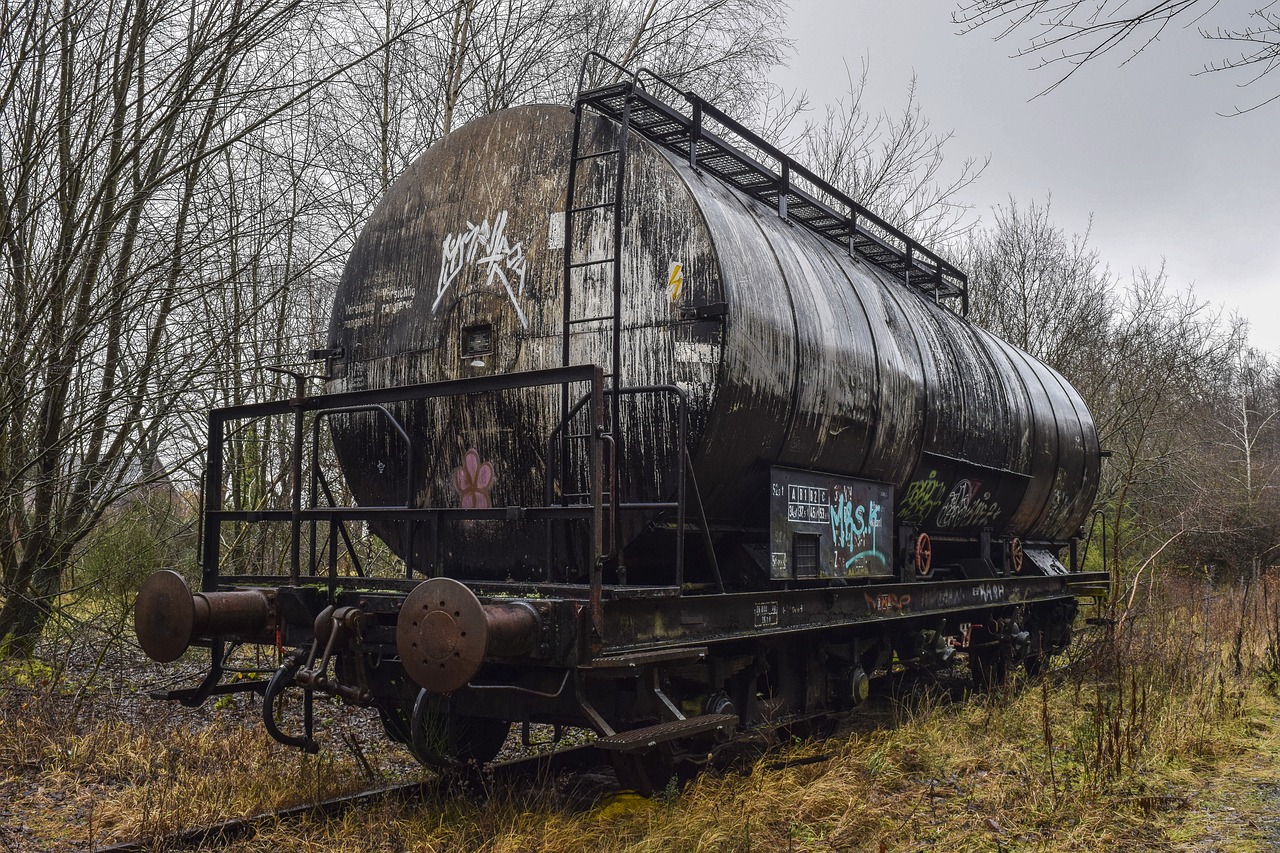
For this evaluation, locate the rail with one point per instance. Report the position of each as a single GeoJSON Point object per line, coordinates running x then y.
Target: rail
{"type": "Point", "coordinates": [320, 408]}
{"type": "Point", "coordinates": [821, 207]}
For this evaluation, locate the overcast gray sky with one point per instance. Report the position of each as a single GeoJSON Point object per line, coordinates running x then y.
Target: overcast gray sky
{"type": "Point", "coordinates": [1141, 147]}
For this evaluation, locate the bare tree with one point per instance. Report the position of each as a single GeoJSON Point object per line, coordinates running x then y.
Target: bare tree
{"type": "Point", "coordinates": [722, 49]}
{"type": "Point", "coordinates": [1157, 368]}
{"type": "Point", "coordinates": [1040, 289]}
{"type": "Point", "coordinates": [113, 120]}
{"type": "Point", "coordinates": [892, 164]}
{"type": "Point", "coordinates": [1166, 354]}
{"type": "Point", "coordinates": [1235, 469]}
{"type": "Point", "coordinates": [1072, 33]}
{"type": "Point", "coordinates": [178, 183]}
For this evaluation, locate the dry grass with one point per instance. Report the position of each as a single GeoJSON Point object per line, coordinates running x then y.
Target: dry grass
{"type": "Point", "coordinates": [971, 777]}
{"type": "Point", "coordinates": [1161, 733]}
{"type": "Point", "coordinates": [70, 781]}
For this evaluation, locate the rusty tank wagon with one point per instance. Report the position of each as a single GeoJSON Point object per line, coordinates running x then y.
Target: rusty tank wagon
{"type": "Point", "coordinates": [669, 437]}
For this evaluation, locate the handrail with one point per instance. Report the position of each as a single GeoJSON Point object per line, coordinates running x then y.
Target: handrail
{"type": "Point", "coordinates": [658, 78]}
{"type": "Point", "coordinates": [592, 54]}
{"type": "Point", "coordinates": [755, 139]}
{"type": "Point", "coordinates": [867, 233]}
{"type": "Point", "coordinates": [213, 514]}
{"type": "Point", "coordinates": [1098, 515]}
{"type": "Point", "coordinates": [615, 504]}
{"type": "Point", "coordinates": [323, 414]}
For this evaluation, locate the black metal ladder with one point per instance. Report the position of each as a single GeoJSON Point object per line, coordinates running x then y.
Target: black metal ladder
{"type": "Point", "coordinates": [772, 177]}
{"type": "Point", "coordinates": [578, 270]}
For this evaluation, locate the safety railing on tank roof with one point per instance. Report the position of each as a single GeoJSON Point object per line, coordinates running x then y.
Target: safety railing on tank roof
{"type": "Point", "coordinates": [825, 210]}
{"type": "Point", "coordinates": [376, 401]}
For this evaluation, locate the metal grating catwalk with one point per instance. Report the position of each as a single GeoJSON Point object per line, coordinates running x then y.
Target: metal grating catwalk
{"type": "Point", "coordinates": [846, 223]}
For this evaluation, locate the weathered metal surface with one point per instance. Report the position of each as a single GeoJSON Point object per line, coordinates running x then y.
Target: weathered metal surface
{"type": "Point", "coordinates": [820, 396]}
{"type": "Point", "coordinates": [820, 361]}
{"type": "Point", "coordinates": [634, 626]}
{"type": "Point", "coordinates": [650, 736]}
{"type": "Point", "coordinates": [444, 633]}
{"type": "Point", "coordinates": [167, 616]}
{"type": "Point", "coordinates": [777, 180]}
{"type": "Point", "coordinates": [164, 616]}
{"type": "Point", "coordinates": [612, 664]}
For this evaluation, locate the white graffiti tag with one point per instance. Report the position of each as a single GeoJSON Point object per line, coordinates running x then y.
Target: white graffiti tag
{"type": "Point", "coordinates": [484, 246]}
{"type": "Point", "coordinates": [964, 507]}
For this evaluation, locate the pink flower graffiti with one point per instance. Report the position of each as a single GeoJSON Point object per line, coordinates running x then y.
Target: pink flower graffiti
{"type": "Point", "coordinates": [473, 480]}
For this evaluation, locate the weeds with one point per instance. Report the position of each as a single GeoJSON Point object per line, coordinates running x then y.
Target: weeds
{"type": "Point", "coordinates": [1270, 665]}
{"type": "Point", "coordinates": [1117, 747]}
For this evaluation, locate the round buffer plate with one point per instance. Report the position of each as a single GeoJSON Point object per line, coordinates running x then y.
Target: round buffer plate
{"type": "Point", "coordinates": [441, 634]}
{"type": "Point", "coordinates": [164, 616]}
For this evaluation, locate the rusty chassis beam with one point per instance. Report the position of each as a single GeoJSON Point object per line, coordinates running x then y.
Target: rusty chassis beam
{"type": "Point", "coordinates": [632, 625]}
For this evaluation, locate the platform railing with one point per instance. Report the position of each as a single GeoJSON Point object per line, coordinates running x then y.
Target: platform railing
{"type": "Point", "coordinates": [712, 141]}
{"type": "Point", "coordinates": [309, 512]}
{"type": "Point", "coordinates": [671, 501]}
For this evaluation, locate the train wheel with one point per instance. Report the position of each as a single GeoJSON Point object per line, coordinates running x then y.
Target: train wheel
{"type": "Point", "coordinates": [443, 739]}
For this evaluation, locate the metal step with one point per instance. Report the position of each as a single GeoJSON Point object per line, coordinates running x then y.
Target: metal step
{"type": "Point", "coordinates": [637, 740]}
{"type": "Point", "coordinates": [596, 154]}
{"type": "Point", "coordinates": [601, 206]}
{"type": "Point", "coordinates": [256, 685]}
{"type": "Point", "coordinates": [597, 262]}
{"type": "Point", "coordinates": [613, 664]}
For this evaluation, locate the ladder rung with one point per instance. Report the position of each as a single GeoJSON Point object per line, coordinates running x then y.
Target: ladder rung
{"type": "Point", "coordinates": [592, 319]}
{"type": "Point", "coordinates": [594, 154]}
{"type": "Point", "coordinates": [592, 207]}
{"type": "Point", "coordinates": [673, 129]}
{"type": "Point", "coordinates": [577, 264]}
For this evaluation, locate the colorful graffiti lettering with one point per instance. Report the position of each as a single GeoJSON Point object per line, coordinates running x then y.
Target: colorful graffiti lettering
{"type": "Point", "coordinates": [485, 246]}
{"type": "Point", "coordinates": [854, 528]}
{"type": "Point", "coordinates": [922, 498]}
{"type": "Point", "coordinates": [472, 480]}
{"type": "Point", "coordinates": [964, 507]}
{"type": "Point", "coordinates": [888, 602]}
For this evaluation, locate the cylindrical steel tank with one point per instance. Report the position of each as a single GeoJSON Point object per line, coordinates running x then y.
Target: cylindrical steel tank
{"type": "Point", "coordinates": [801, 356]}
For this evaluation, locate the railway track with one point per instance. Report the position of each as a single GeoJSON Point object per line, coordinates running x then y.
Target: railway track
{"type": "Point", "coordinates": [536, 767]}
{"type": "Point", "coordinates": [879, 711]}
{"type": "Point", "coordinates": [579, 759]}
